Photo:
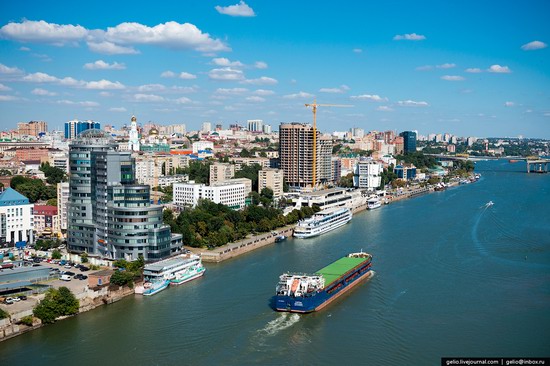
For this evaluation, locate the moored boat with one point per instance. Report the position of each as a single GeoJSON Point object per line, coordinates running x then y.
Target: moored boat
{"type": "Point", "coordinates": [305, 293]}
{"type": "Point", "coordinates": [373, 203]}
{"type": "Point", "coordinates": [190, 269]}
{"type": "Point", "coordinates": [322, 222]}
{"type": "Point", "coordinates": [280, 238]}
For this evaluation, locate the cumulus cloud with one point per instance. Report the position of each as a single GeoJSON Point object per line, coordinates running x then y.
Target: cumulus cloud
{"type": "Point", "coordinates": [474, 70]}
{"type": "Point", "coordinates": [298, 95]}
{"type": "Point", "coordinates": [104, 84]}
{"type": "Point", "coordinates": [445, 66]}
{"type": "Point", "coordinates": [24, 49]}
{"type": "Point", "coordinates": [499, 69]}
{"type": "Point", "coordinates": [264, 92]}
{"type": "Point", "coordinates": [147, 88]}
{"type": "Point", "coordinates": [535, 45]}
{"type": "Point", "coordinates": [452, 78]}
{"type": "Point", "coordinates": [340, 90]}
{"type": "Point", "coordinates": [170, 35]}
{"type": "Point", "coordinates": [8, 98]}
{"type": "Point", "coordinates": [109, 48]}
{"type": "Point", "coordinates": [384, 108]}
{"type": "Point", "coordinates": [187, 76]}
{"type": "Point", "coordinates": [40, 77]}
{"type": "Point", "coordinates": [102, 65]}
{"type": "Point", "coordinates": [82, 104]}
{"type": "Point", "coordinates": [238, 10]}
{"type": "Point", "coordinates": [148, 98]}
{"type": "Point", "coordinates": [230, 91]}
{"type": "Point", "coordinates": [4, 87]}
{"type": "Point", "coordinates": [183, 100]}
{"type": "Point", "coordinates": [117, 109]}
{"type": "Point", "coordinates": [222, 61]}
{"type": "Point", "coordinates": [260, 65]}
{"type": "Point", "coordinates": [409, 37]}
{"type": "Point", "coordinates": [43, 32]}
{"type": "Point", "coordinates": [9, 70]}
{"type": "Point", "coordinates": [374, 97]}
{"type": "Point", "coordinates": [264, 80]}
{"type": "Point", "coordinates": [255, 99]}
{"type": "Point", "coordinates": [226, 74]}
{"type": "Point", "coordinates": [412, 103]}
{"type": "Point", "coordinates": [168, 74]}
{"type": "Point", "coordinates": [43, 92]}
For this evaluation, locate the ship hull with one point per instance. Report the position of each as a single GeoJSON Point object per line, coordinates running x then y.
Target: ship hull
{"type": "Point", "coordinates": [317, 301]}
{"type": "Point", "coordinates": [321, 231]}
{"type": "Point", "coordinates": [175, 282]}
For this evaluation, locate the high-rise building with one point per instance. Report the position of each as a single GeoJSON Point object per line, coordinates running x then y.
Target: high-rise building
{"type": "Point", "coordinates": [220, 172]}
{"type": "Point", "coordinates": [62, 203]}
{"type": "Point", "coordinates": [110, 215]}
{"type": "Point", "coordinates": [267, 129]}
{"type": "Point", "coordinates": [16, 218]}
{"type": "Point", "coordinates": [32, 128]}
{"type": "Point", "coordinates": [296, 154]}
{"type": "Point", "coordinates": [271, 178]}
{"type": "Point", "coordinates": [75, 127]}
{"type": "Point", "coordinates": [409, 141]}
{"type": "Point", "coordinates": [367, 174]}
{"type": "Point", "coordinates": [255, 125]}
{"type": "Point", "coordinates": [357, 132]}
{"type": "Point", "coordinates": [206, 127]}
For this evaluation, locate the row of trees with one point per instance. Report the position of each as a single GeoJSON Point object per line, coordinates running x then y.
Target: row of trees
{"type": "Point", "coordinates": [212, 225]}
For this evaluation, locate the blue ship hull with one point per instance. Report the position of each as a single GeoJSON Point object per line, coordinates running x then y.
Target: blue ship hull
{"type": "Point", "coordinates": [317, 301]}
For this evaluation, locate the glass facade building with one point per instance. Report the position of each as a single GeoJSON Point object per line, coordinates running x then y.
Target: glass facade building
{"type": "Point", "coordinates": [409, 141]}
{"type": "Point", "coordinates": [75, 127]}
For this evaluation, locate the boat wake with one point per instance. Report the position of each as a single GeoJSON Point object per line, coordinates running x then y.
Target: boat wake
{"type": "Point", "coordinates": [283, 321]}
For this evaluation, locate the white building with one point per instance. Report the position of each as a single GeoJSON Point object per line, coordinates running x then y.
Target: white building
{"type": "Point", "coordinates": [133, 140]}
{"type": "Point", "coordinates": [62, 202]}
{"type": "Point", "coordinates": [367, 174]}
{"type": "Point", "coordinates": [16, 218]}
{"type": "Point", "coordinates": [255, 125]}
{"type": "Point", "coordinates": [227, 193]}
{"type": "Point", "coordinates": [206, 127]}
{"type": "Point", "coordinates": [202, 145]}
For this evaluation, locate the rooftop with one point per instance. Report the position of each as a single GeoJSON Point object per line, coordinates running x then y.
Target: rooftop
{"type": "Point", "coordinates": [10, 197]}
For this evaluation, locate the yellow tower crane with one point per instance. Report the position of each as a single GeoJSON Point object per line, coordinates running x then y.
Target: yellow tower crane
{"type": "Point", "coordinates": [314, 106]}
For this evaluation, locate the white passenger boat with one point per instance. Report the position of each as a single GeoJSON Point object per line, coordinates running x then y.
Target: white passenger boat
{"type": "Point", "coordinates": [322, 222]}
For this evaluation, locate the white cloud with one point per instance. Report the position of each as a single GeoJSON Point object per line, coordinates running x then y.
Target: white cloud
{"type": "Point", "coordinates": [535, 45]}
{"type": "Point", "coordinates": [40, 77]}
{"type": "Point", "coordinates": [340, 90]}
{"type": "Point", "coordinates": [264, 92]}
{"type": "Point", "coordinates": [474, 70]}
{"type": "Point", "coordinates": [298, 95]}
{"type": "Point", "coordinates": [452, 78]}
{"type": "Point", "coordinates": [24, 49]}
{"type": "Point", "coordinates": [238, 10]}
{"type": "Point", "coordinates": [105, 94]}
{"type": "Point", "coordinates": [445, 66]}
{"type": "Point", "coordinates": [509, 104]}
{"type": "Point", "coordinates": [255, 99]}
{"type": "Point", "coordinates": [82, 104]}
{"type": "Point", "coordinates": [184, 89]}
{"type": "Point", "coordinates": [424, 68]}
{"type": "Point", "coordinates": [187, 76]}
{"type": "Point", "coordinates": [225, 62]}
{"type": "Point", "coordinates": [183, 100]}
{"type": "Point", "coordinates": [8, 98]}
{"type": "Point", "coordinates": [148, 98]}
{"type": "Point", "coordinates": [374, 97]}
{"type": "Point", "coordinates": [409, 37]}
{"type": "Point", "coordinates": [102, 65]}
{"type": "Point", "coordinates": [226, 73]}
{"type": "Point", "coordinates": [104, 84]}
{"type": "Point", "coordinates": [44, 92]}
{"type": "Point", "coordinates": [117, 109]}
{"type": "Point", "coordinates": [147, 88]}
{"type": "Point", "coordinates": [499, 69]}
{"type": "Point", "coordinates": [4, 87]}
{"type": "Point", "coordinates": [168, 74]}
{"type": "Point", "coordinates": [412, 103]}
{"type": "Point", "coordinates": [384, 108]}
{"type": "Point", "coordinates": [43, 32]}
{"type": "Point", "coordinates": [9, 70]}
{"type": "Point", "coordinates": [170, 35]}
{"type": "Point", "coordinates": [260, 65]}
{"type": "Point", "coordinates": [232, 91]}
{"type": "Point", "coordinates": [357, 50]}
{"type": "Point", "coordinates": [109, 48]}
{"type": "Point", "coordinates": [264, 80]}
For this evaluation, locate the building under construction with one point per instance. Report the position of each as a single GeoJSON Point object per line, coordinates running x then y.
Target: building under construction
{"type": "Point", "coordinates": [296, 152]}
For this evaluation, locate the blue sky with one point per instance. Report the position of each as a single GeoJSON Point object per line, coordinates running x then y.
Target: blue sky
{"type": "Point", "coordinates": [470, 68]}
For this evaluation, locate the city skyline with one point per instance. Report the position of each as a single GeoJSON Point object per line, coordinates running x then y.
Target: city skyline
{"type": "Point", "coordinates": [469, 69]}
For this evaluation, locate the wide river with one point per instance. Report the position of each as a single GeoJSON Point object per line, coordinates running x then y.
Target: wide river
{"type": "Point", "coordinates": [452, 278]}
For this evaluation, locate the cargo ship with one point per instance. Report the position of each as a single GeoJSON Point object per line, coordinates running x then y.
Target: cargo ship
{"type": "Point", "coordinates": [305, 293]}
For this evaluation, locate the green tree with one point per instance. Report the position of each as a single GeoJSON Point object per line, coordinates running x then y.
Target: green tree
{"type": "Point", "coordinates": [347, 181]}
{"type": "Point", "coordinates": [52, 202]}
{"type": "Point", "coordinates": [53, 174]}
{"type": "Point", "coordinates": [4, 314]}
{"type": "Point", "coordinates": [198, 171]}
{"type": "Point", "coordinates": [245, 153]}
{"type": "Point", "coordinates": [56, 254]}
{"type": "Point", "coordinates": [56, 303]}
{"type": "Point", "coordinates": [250, 172]}
{"type": "Point", "coordinates": [123, 278]}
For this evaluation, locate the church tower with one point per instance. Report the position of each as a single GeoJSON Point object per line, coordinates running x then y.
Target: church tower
{"type": "Point", "coordinates": [133, 142]}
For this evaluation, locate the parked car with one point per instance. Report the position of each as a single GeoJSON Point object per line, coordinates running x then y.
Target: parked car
{"type": "Point", "coordinates": [8, 301]}
{"type": "Point", "coordinates": [68, 266]}
{"type": "Point", "coordinates": [80, 276]}
{"type": "Point", "coordinates": [84, 268]}
{"type": "Point", "coordinates": [22, 297]}
{"type": "Point", "coordinates": [65, 277]}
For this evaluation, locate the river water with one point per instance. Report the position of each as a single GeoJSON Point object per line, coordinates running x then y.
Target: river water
{"type": "Point", "coordinates": [453, 278]}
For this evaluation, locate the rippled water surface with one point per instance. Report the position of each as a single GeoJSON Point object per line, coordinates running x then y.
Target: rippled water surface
{"type": "Point", "coordinates": [453, 278]}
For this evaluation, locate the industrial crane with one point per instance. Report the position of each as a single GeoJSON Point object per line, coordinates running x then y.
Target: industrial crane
{"type": "Point", "coordinates": [314, 106]}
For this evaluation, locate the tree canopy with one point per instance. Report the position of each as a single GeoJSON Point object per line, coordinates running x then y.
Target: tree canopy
{"type": "Point", "coordinates": [33, 189]}
{"type": "Point", "coordinates": [53, 174]}
{"type": "Point", "coordinates": [56, 303]}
